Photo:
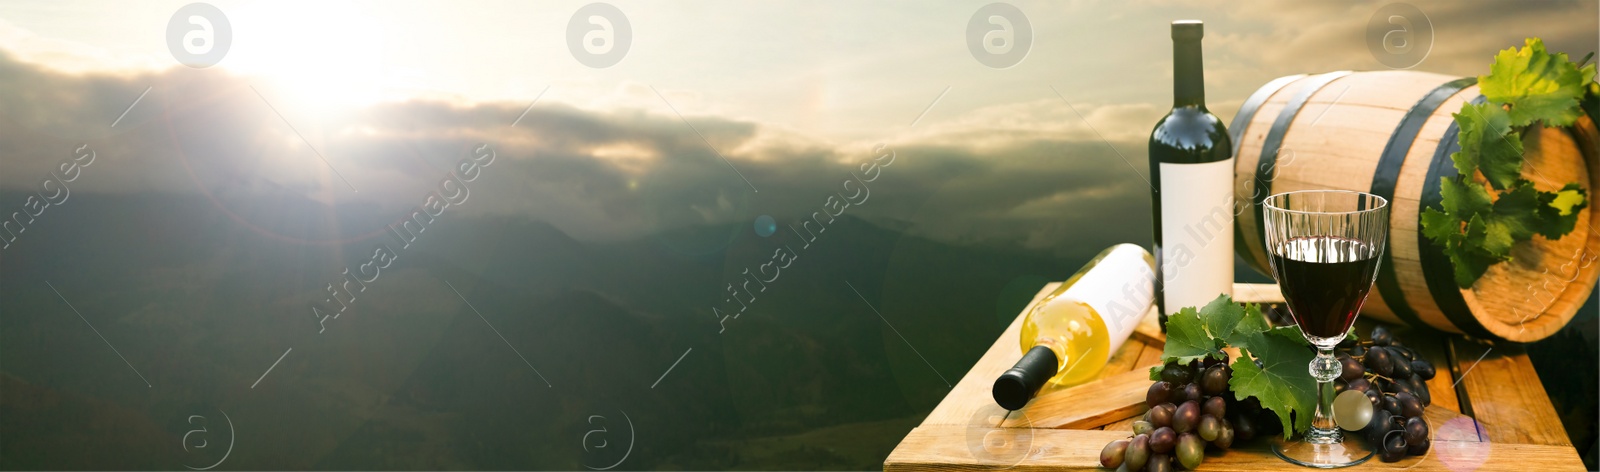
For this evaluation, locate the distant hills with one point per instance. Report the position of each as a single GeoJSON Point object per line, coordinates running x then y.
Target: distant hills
{"type": "Point", "coordinates": [410, 377]}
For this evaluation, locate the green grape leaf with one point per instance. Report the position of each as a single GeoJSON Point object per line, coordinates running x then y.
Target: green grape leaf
{"type": "Point", "coordinates": [1464, 245]}
{"type": "Point", "coordinates": [1558, 211]}
{"type": "Point", "coordinates": [1291, 333]}
{"type": "Point", "coordinates": [1488, 144]}
{"type": "Point", "coordinates": [1283, 383]}
{"type": "Point", "coordinates": [1187, 339]}
{"type": "Point", "coordinates": [1463, 198]}
{"type": "Point", "coordinates": [1524, 212]}
{"type": "Point", "coordinates": [1470, 263]}
{"type": "Point", "coordinates": [1497, 239]}
{"type": "Point", "coordinates": [1518, 211]}
{"type": "Point", "coordinates": [1476, 229]}
{"type": "Point", "coordinates": [1569, 200]}
{"type": "Point", "coordinates": [1252, 323]}
{"type": "Point", "coordinates": [1537, 85]}
{"type": "Point", "coordinates": [1439, 226]}
{"type": "Point", "coordinates": [1468, 267]}
{"type": "Point", "coordinates": [1221, 316]}
{"type": "Point", "coordinates": [1591, 99]}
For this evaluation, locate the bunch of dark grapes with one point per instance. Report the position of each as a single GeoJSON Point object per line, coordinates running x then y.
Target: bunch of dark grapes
{"type": "Point", "coordinates": [1394, 378]}
{"type": "Point", "coordinates": [1191, 408]}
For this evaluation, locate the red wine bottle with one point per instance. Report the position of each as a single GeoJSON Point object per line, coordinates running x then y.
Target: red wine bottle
{"type": "Point", "coordinates": [1191, 173]}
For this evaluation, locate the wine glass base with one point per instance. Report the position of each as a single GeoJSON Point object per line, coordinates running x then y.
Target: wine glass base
{"type": "Point", "coordinates": [1346, 453]}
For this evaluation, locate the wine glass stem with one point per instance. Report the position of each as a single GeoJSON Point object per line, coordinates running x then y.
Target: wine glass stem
{"type": "Point", "coordinates": [1324, 368]}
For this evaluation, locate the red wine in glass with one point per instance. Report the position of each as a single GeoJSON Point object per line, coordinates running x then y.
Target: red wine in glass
{"type": "Point", "coordinates": [1324, 247]}
{"type": "Point", "coordinates": [1324, 279]}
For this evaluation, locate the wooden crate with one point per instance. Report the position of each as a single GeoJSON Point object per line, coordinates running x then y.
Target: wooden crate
{"type": "Point", "coordinates": [1065, 428]}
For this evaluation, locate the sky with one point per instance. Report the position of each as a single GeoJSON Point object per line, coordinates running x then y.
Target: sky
{"type": "Point", "coordinates": [786, 94]}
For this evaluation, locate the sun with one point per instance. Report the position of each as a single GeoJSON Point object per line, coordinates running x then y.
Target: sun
{"type": "Point", "coordinates": [322, 55]}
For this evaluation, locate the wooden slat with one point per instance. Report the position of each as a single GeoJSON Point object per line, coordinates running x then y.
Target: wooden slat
{"type": "Point", "coordinates": [946, 447]}
{"type": "Point", "coordinates": [1130, 355]}
{"type": "Point", "coordinates": [1085, 406]}
{"type": "Point", "coordinates": [1150, 356]}
{"type": "Point", "coordinates": [1257, 293]}
{"type": "Point", "coordinates": [1149, 329]}
{"type": "Point", "coordinates": [1133, 356]}
{"type": "Point", "coordinates": [1092, 404]}
{"type": "Point", "coordinates": [1431, 346]}
{"type": "Point", "coordinates": [1505, 394]}
{"type": "Point", "coordinates": [1124, 425]}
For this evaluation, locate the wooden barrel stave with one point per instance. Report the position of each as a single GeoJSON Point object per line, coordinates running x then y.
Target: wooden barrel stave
{"type": "Point", "coordinates": [1248, 141]}
{"type": "Point", "coordinates": [1351, 118]}
{"type": "Point", "coordinates": [1405, 248]}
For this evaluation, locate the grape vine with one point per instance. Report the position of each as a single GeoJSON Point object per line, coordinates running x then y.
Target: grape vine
{"type": "Point", "coordinates": [1478, 227]}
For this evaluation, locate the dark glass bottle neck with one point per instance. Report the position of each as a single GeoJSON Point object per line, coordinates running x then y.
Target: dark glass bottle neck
{"type": "Point", "coordinates": [1188, 76]}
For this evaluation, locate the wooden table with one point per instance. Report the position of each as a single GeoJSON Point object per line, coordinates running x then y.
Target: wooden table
{"type": "Point", "coordinates": [1065, 428]}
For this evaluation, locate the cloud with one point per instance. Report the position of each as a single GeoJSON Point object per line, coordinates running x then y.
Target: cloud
{"type": "Point", "coordinates": [1325, 36]}
{"type": "Point", "coordinates": [626, 164]}
{"type": "Point", "coordinates": [996, 175]}
{"type": "Point", "coordinates": [68, 56]}
{"type": "Point", "coordinates": [999, 126]}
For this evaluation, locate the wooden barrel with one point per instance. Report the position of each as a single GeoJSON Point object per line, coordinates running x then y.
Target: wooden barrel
{"type": "Point", "coordinates": [1391, 133]}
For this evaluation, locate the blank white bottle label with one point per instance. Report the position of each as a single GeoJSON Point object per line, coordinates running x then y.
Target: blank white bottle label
{"type": "Point", "coordinates": [1120, 288]}
{"type": "Point", "coordinates": [1196, 233]}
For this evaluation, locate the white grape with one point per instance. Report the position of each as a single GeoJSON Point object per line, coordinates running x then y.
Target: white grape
{"type": "Point", "coordinates": [1351, 410]}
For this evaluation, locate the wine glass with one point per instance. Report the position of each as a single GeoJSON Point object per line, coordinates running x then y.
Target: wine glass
{"type": "Point", "coordinates": [1324, 247]}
